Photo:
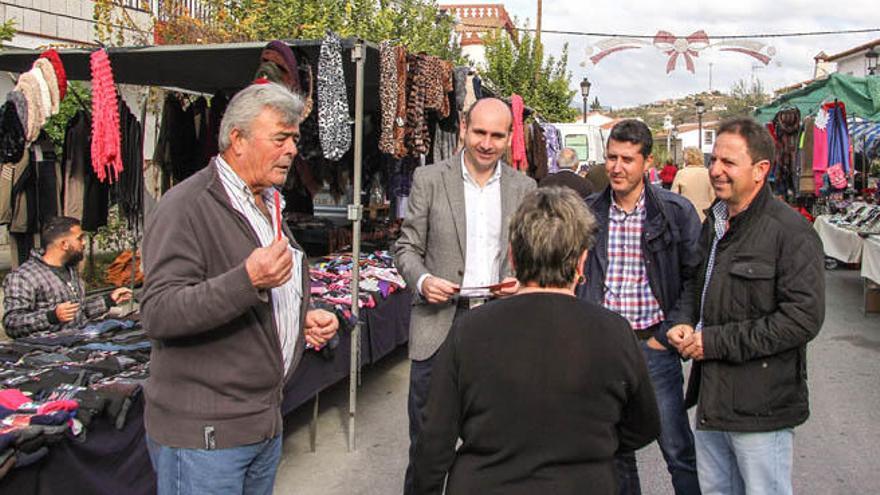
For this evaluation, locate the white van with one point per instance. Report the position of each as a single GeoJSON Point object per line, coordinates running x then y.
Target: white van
{"type": "Point", "coordinates": [588, 141]}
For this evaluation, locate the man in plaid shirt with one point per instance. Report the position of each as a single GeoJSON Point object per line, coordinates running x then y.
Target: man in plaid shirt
{"type": "Point", "coordinates": [644, 252]}
{"type": "Point", "coordinates": [46, 292]}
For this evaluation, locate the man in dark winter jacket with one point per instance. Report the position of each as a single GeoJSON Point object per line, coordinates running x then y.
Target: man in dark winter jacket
{"type": "Point", "coordinates": [644, 252]}
{"type": "Point", "coordinates": [746, 318]}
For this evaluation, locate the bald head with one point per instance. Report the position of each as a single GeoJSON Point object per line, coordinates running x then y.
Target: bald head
{"type": "Point", "coordinates": [486, 134]}
{"type": "Point", "coordinates": [490, 108]}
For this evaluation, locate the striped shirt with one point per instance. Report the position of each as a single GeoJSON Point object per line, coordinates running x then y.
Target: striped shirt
{"type": "Point", "coordinates": [627, 291]}
{"type": "Point", "coordinates": [722, 215]}
{"type": "Point", "coordinates": [286, 299]}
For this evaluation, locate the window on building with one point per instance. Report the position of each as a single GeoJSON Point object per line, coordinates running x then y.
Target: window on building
{"type": "Point", "coordinates": [709, 138]}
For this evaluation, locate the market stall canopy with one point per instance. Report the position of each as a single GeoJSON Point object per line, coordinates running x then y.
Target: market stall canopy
{"type": "Point", "coordinates": [202, 68]}
{"type": "Point", "coordinates": [865, 136]}
{"type": "Point", "coordinates": [861, 95]}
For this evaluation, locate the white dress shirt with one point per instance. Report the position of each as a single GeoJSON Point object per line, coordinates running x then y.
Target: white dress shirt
{"type": "Point", "coordinates": [482, 263]}
{"type": "Point", "coordinates": [286, 299]}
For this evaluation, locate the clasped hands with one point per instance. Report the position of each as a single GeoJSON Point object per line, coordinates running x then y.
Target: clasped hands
{"type": "Point", "coordinates": [688, 342]}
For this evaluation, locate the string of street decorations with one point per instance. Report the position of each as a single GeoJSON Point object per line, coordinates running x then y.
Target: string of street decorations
{"type": "Point", "coordinates": [688, 48]}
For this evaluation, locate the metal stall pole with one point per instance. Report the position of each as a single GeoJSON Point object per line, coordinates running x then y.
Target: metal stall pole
{"type": "Point", "coordinates": [355, 212]}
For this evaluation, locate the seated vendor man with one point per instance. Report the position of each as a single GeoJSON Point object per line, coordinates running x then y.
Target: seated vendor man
{"type": "Point", "coordinates": [46, 292]}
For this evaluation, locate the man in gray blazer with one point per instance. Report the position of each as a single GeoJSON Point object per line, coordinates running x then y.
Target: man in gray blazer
{"type": "Point", "coordinates": [452, 249]}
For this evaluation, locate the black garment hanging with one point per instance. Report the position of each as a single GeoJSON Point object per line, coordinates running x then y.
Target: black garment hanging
{"type": "Point", "coordinates": [128, 190]}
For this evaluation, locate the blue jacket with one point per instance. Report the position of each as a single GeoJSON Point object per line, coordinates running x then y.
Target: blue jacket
{"type": "Point", "coordinates": [669, 244]}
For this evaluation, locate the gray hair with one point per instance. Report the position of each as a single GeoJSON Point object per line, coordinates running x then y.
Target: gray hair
{"type": "Point", "coordinates": [567, 158]}
{"type": "Point", "coordinates": [548, 233]}
{"type": "Point", "coordinates": [250, 102]}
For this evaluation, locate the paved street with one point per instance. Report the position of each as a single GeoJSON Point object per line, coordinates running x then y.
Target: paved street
{"type": "Point", "coordinates": [834, 451]}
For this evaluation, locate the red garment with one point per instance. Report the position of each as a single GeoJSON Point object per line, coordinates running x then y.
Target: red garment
{"type": "Point", "coordinates": [60, 74]}
{"type": "Point", "coordinates": [667, 175]}
{"type": "Point", "coordinates": [12, 398]}
{"type": "Point", "coordinates": [518, 146]}
{"type": "Point", "coordinates": [106, 140]}
{"type": "Point", "coordinates": [58, 405]}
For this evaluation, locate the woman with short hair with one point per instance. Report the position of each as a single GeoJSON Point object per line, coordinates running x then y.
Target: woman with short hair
{"type": "Point", "coordinates": [541, 387]}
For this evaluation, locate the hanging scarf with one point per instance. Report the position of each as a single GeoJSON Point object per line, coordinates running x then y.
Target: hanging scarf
{"type": "Point", "coordinates": [106, 155]}
{"type": "Point", "coordinates": [333, 120]}
{"type": "Point", "coordinates": [518, 152]}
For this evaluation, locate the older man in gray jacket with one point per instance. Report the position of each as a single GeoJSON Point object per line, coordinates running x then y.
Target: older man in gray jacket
{"type": "Point", "coordinates": [453, 245]}
{"type": "Point", "coordinates": [226, 306]}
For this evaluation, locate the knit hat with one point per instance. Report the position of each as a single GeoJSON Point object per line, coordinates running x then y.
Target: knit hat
{"type": "Point", "coordinates": [21, 106]}
{"type": "Point", "coordinates": [27, 84]}
{"type": "Point", "coordinates": [46, 98]}
{"type": "Point", "coordinates": [279, 53]}
{"type": "Point", "coordinates": [48, 72]}
{"type": "Point", "coordinates": [12, 136]}
{"type": "Point", "coordinates": [60, 74]}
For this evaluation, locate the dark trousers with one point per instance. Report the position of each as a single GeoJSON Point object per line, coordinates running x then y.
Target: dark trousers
{"type": "Point", "coordinates": [676, 438]}
{"type": "Point", "coordinates": [419, 385]}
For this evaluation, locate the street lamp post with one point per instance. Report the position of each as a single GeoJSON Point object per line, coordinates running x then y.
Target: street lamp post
{"type": "Point", "coordinates": [701, 109]}
{"type": "Point", "coordinates": [585, 93]}
{"type": "Point", "coordinates": [871, 61]}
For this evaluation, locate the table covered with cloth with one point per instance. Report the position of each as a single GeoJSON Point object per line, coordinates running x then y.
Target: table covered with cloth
{"type": "Point", "coordinates": [87, 384]}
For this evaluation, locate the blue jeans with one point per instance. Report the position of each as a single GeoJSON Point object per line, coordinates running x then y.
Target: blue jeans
{"type": "Point", "coordinates": [734, 463]}
{"type": "Point", "coordinates": [676, 438]}
{"type": "Point", "coordinates": [249, 469]}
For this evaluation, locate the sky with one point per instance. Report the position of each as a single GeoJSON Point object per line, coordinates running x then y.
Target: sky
{"type": "Point", "coordinates": [633, 77]}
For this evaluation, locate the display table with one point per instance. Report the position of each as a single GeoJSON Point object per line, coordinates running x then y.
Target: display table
{"type": "Point", "coordinates": [871, 259]}
{"type": "Point", "coordinates": [111, 461]}
{"type": "Point", "coordinates": [839, 243]}
{"type": "Point", "coordinates": [871, 274]}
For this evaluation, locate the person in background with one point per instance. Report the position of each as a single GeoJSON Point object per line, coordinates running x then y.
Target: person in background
{"type": "Point", "coordinates": [746, 319]}
{"type": "Point", "coordinates": [542, 388]}
{"type": "Point", "coordinates": [226, 307]}
{"type": "Point", "coordinates": [46, 292]}
{"type": "Point", "coordinates": [667, 175]}
{"type": "Point", "coordinates": [452, 242]}
{"type": "Point", "coordinates": [644, 253]}
{"type": "Point", "coordinates": [597, 176]}
{"type": "Point", "coordinates": [567, 177]}
{"type": "Point", "coordinates": [693, 183]}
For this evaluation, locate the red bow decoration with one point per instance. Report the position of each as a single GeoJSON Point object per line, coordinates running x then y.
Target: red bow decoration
{"type": "Point", "coordinates": [686, 47]}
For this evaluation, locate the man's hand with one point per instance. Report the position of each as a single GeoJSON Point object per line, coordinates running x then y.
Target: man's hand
{"type": "Point", "coordinates": [121, 295]}
{"type": "Point", "coordinates": [678, 334]}
{"type": "Point", "coordinates": [693, 347]}
{"type": "Point", "coordinates": [270, 267]}
{"type": "Point", "coordinates": [510, 287]}
{"type": "Point", "coordinates": [321, 326]}
{"type": "Point", "coordinates": [66, 311]}
{"type": "Point", "coordinates": [437, 290]}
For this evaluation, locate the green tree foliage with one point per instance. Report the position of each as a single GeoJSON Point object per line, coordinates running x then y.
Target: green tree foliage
{"type": "Point", "coordinates": [518, 66]}
{"type": "Point", "coordinates": [745, 98]}
{"type": "Point", "coordinates": [7, 31]}
{"type": "Point", "coordinates": [56, 126]}
{"type": "Point", "coordinates": [418, 24]}
{"type": "Point", "coordinates": [595, 105]}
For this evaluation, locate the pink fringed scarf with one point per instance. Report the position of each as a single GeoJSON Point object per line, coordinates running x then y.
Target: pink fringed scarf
{"type": "Point", "coordinates": [106, 156]}
{"type": "Point", "coordinates": [518, 151]}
